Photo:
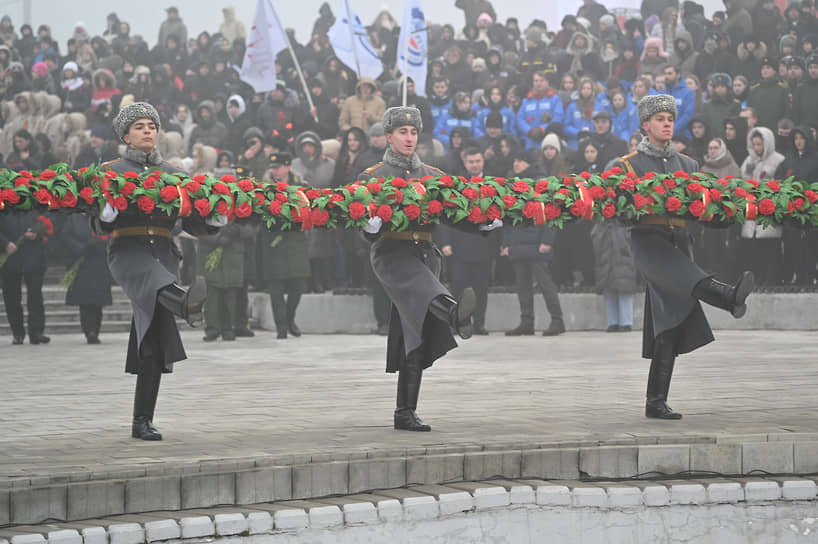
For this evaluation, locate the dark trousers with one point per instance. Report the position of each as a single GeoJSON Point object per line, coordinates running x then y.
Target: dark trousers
{"type": "Point", "coordinates": [381, 305]}
{"type": "Point", "coordinates": [320, 272]}
{"type": "Point", "coordinates": [475, 275]}
{"type": "Point", "coordinates": [242, 301]}
{"type": "Point", "coordinates": [284, 310]}
{"type": "Point", "coordinates": [220, 309]}
{"type": "Point", "coordinates": [187, 271]}
{"type": "Point", "coordinates": [526, 271]}
{"type": "Point", "coordinates": [13, 300]}
{"type": "Point", "coordinates": [800, 255]}
{"type": "Point", "coordinates": [90, 319]}
{"type": "Point", "coordinates": [147, 388]}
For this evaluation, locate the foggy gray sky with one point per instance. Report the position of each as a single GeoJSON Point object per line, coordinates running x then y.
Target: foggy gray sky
{"type": "Point", "coordinates": [146, 15]}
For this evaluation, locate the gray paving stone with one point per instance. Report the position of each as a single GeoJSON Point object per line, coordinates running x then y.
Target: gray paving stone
{"type": "Point", "coordinates": [725, 492]}
{"type": "Point", "coordinates": [523, 494]}
{"type": "Point", "coordinates": [553, 495]}
{"type": "Point", "coordinates": [762, 491]}
{"type": "Point", "coordinates": [589, 496]}
{"type": "Point", "coordinates": [656, 495]}
{"type": "Point", "coordinates": [28, 539]}
{"type": "Point", "coordinates": [390, 510]}
{"type": "Point", "coordinates": [94, 535]}
{"type": "Point", "coordinates": [369, 474]}
{"type": "Point", "coordinates": [455, 503]}
{"type": "Point", "coordinates": [360, 513]}
{"type": "Point", "coordinates": [667, 460]}
{"type": "Point", "coordinates": [799, 490]}
{"type": "Point", "coordinates": [559, 463]}
{"type": "Point", "coordinates": [164, 529]}
{"type": "Point", "coordinates": [805, 457]}
{"type": "Point", "coordinates": [719, 458]}
{"type": "Point", "coordinates": [326, 517]}
{"type": "Point", "coordinates": [35, 505]}
{"type": "Point", "coordinates": [434, 469]}
{"type": "Point", "coordinates": [259, 523]}
{"type": "Point", "coordinates": [273, 483]}
{"type": "Point", "coordinates": [609, 461]}
{"type": "Point", "coordinates": [688, 494]}
{"type": "Point", "coordinates": [146, 494]}
{"type": "Point", "coordinates": [126, 533]}
{"type": "Point", "coordinates": [230, 524]}
{"type": "Point", "coordinates": [320, 479]}
{"type": "Point", "coordinates": [291, 519]}
{"type": "Point", "coordinates": [64, 536]}
{"type": "Point", "coordinates": [774, 457]}
{"type": "Point", "coordinates": [203, 490]}
{"type": "Point", "coordinates": [196, 527]}
{"type": "Point", "coordinates": [96, 499]}
{"type": "Point", "coordinates": [493, 464]}
{"type": "Point", "coordinates": [420, 508]}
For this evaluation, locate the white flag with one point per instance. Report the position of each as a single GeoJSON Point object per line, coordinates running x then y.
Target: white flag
{"type": "Point", "coordinates": [413, 45]}
{"type": "Point", "coordinates": [266, 40]}
{"type": "Point", "coordinates": [351, 44]}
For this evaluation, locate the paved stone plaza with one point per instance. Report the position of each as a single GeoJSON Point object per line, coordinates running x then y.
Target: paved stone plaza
{"type": "Point", "coordinates": [67, 405]}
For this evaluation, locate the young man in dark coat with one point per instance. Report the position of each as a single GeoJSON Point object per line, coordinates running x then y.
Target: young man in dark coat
{"type": "Point", "coordinates": [674, 320]}
{"type": "Point", "coordinates": [407, 263]}
{"type": "Point", "coordinates": [143, 260]}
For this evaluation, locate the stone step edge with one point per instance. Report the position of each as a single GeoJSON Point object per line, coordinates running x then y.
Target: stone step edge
{"type": "Point", "coordinates": [484, 496]}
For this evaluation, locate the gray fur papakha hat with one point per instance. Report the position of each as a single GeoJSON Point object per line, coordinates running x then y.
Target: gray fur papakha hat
{"type": "Point", "coordinates": [655, 103]}
{"type": "Point", "coordinates": [127, 115]}
{"type": "Point", "coordinates": [401, 116]}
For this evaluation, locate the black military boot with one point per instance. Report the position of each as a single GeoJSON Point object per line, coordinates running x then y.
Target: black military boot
{"type": "Point", "coordinates": [292, 305]}
{"type": "Point", "coordinates": [725, 296]}
{"type": "Point", "coordinates": [556, 327]}
{"type": "Point", "coordinates": [661, 371]}
{"type": "Point", "coordinates": [525, 328]}
{"type": "Point", "coordinates": [280, 318]}
{"type": "Point", "coordinates": [147, 390]}
{"type": "Point", "coordinates": [185, 303]}
{"type": "Point", "coordinates": [406, 418]}
{"type": "Point", "coordinates": [457, 314]}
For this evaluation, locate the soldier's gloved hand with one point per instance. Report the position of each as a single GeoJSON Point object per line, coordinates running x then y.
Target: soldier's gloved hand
{"type": "Point", "coordinates": [496, 224]}
{"type": "Point", "coordinates": [218, 221]}
{"type": "Point", "coordinates": [374, 225]}
{"type": "Point", "coordinates": [109, 214]}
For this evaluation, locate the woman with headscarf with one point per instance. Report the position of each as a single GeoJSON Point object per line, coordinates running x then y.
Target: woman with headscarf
{"type": "Point", "coordinates": [735, 136]}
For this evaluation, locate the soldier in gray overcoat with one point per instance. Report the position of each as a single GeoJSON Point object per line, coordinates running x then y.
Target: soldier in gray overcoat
{"type": "Point", "coordinates": [674, 320]}
{"type": "Point", "coordinates": [407, 263]}
{"type": "Point", "coordinates": [144, 261]}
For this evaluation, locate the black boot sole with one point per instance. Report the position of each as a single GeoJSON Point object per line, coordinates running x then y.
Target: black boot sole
{"type": "Point", "coordinates": [465, 309]}
{"type": "Point", "coordinates": [744, 287]}
{"type": "Point", "coordinates": [659, 414]}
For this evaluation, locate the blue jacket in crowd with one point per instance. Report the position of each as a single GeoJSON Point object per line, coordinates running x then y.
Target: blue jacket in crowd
{"type": "Point", "coordinates": [509, 121]}
{"type": "Point", "coordinates": [531, 115]}
{"type": "Point", "coordinates": [448, 121]}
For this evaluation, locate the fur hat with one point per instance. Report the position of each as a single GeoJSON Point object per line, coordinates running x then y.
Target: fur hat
{"type": "Point", "coordinates": [655, 103]}
{"type": "Point", "coordinates": [721, 79]}
{"type": "Point", "coordinates": [376, 130]}
{"type": "Point", "coordinates": [401, 116]}
{"type": "Point", "coordinates": [280, 158]}
{"type": "Point", "coordinates": [129, 114]}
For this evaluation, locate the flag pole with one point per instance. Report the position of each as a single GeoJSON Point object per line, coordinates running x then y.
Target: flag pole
{"type": "Point", "coordinates": [352, 39]}
{"type": "Point", "coordinates": [297, 66]}
{"type": "Point", "coordinates": [406, 68]}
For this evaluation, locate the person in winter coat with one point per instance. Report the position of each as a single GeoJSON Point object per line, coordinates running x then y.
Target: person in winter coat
{"type": "Point", "coordinates": [769, 97]}
{"type": "Point", "coordinates": [530, 249]}
{"type": "Point", "coordinates": [625, 116]}
{"type": "Point", "coordinates": [800, 253]}
{"type": "Point", "coordinates": [653, 56]}
{"type": "Point", "coordinates": [614, 273]}
{"type": "Point", "coordinates": [585, 60]}
{"type": "Point", "coordinates": [495, 101]}
{"type": "Point", "coordinates": [440, 101]}
{"type": "Point", "coordinates": [362, 110]}
{"type": "Point", "coordinates": [239, 121]}
{"type": "Point", "coordinates": [90, 288]}
{"type": "Point", "coordinates": [231, 28]}
{"type": "Point", "coordinates": [579, 114]}
{"type": "Point", "coordinates": [539, 109]}
{"type": "Point", "coordinates": [804, 105]}
{"type": "Point", "coordinates": [460, 115]}
{"type": "Point", "coordinates": [751, 51]}
{"type": "Point", "coordinates": [74, 93]}
{"type": "Point", "coordinates": [316, 170]}
{"type": "Point", "coordinates": [676, 86]}
{"type": "Point", "coordinates": [684, 53]}
{"type": "Point", "coordinates": [24, 154]}
{"type": "Point", "coordinates": [739, 23]}
{"type": "Point", "coordinates": [100, 149]}
{"type": "Point", "coordinates": [761, 246]}
{"type": "Point", "coordinates": [105, 88]}
{"type": "Point", "coordinates": [721, 106]}
{"type": "Point", "coordinates": [276, 115]}
{"type": "Point", "coordinates": [699, 138]}
{"type": "Point", "coordinates": [209, 130]}
{"type": "Point", "coordinates": [173, 25]}
{"type": "Point", "coordinates": [735, 136]}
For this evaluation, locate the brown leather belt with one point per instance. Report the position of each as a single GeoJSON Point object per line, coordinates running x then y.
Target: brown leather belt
{"type": "Point", "coordinates": [141, 231]}
{"type": "Point", "coordinates": [413, 235]}
{"type": "Point", "coordinates": [663, 220]}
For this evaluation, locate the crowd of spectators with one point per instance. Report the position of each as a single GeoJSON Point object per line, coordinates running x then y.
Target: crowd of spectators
{"type": "Point", "coordinates": [535, 100]}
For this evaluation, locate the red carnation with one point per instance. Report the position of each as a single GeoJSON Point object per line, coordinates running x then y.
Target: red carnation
{"type": "Point", "coordinates": [22, 181]}
{"type": "Point", "coordinates": [228, 178]}
{"type": "Point", "coordinates": [493, 212]}
{"type": "Point", "coordinates": [69, 200]}
{"type": "Point", "coordinates": [148, 183]}
{"type": "Point", "coordinates": [169, 193]}
{"type": "Point", "coordinates": [539, 187]}
{"type": "Point", "coordinates": [275, 208]}
{"type": "Point", "coordinates": [312, 194]}
{"type": "Point", "coordinates": [412, 211]}
{"type": "Point", "coordinates": [520, 187]}
{"type": "Point", "coordinates": [670, 183]}
{"type": "Point", "coordinates": [611, 192]}
{"type": "Point", "coordinates": [128, 174]}
{"type": "Point", "coordinates": [659, 189]}
{"type": "Point", "coordinates": [564, 191]}
{"type": "Point", "coordinates": [627, 184]}
{"type": "Point", "coordinates": [48, 174]}
{"type": "Point", "coordinates": [46, 222]}
{"type": "Point", "coordinates": [319, 217]}
{"type": "Point", "coordinates": [434, 207]}
{"type": "Point", "coordinates": [597, 192]}
{"type": "Point", "coordinates": [640, 201]}
{"type": "Point", "coordinates": [585, 175]}
{"type": "Point", "coordinates": [799, 203]}
{"type": "Point", "coordinates": [616, 170]}
{"type": "Point", "coordinates": [128, 188]}
{"type": "Point", "coordinates": [120, 203]}
{"type": "Point", "coordinates": [281, 197]}
{"type": "Point", "coordinates": [27, 174]}
{"type": "Point", "coordinates": [11, 196]}
{"type": "Point", "coordinates": [384, 212]}
{"type": "Point", "coordinates": [220, 188]}
{"type": "Point", "coordinates": [766, 206]}
{"type": "Point", "coordinates": [192, 186]}
{"type": "Point", "coordinates": [509, 201]}
{"type": "Point", "coordinates": [476, 179]}
{"type": "Point", "coordinates": [246, 185]}
{"type": "Point", "coordinates": [471, 193]}
{"type": "Point", "coordinates": [476, 216]}
{"type": "Point", "coordinates": [357, 210]}
{"type": "Point", "coordinates": [198, 178]}
{"type": "Point", "coordinates": [716, 195]}
{"type": "Point", "coordinates": [552, 211]}
{"type": "Point", "coordinates": [395, 196]}
{"type": "Point", "coordinates": [487, 191]}
{"type": "Point", "coordinates": [42, 196]}
{"type": "Point", "coordinates": [374, 187]}
{"type": "Point", "coordinates": [696, 208]}
{"type": "Point", "coordinates": [202, 206]}
{"type": "Point", "coordinates": [223, 208]}
{"type": "Point", "coordinates": [741, 192]}
{"type": "Point", "coordinates": [281, 186]}
{"type": "Point", "coordinates": [398, 182]}
{"type": "Point", "coordinates": [811, 195]}
{"type": "Point", "coordinates": [673, 204]}
{"type": "Point", "coordinates": [244, 209]}
{"type": "Point", "coordinates": [609, 210]}
{"type": "Point", "coordinates": [681, 174]}
{"type": "Point", "coordinates": [446, 180]}
{"type": "Point", "coordinates": [335, 197]}
{"type": "Point", "coordinates": [695, 188]}
{"type": "Point", "coordinates": [259, 199]}
{"type": "Point", "coordinates": [752, 182]}
{"type": "Point", "coordinates": [773, 186]}
{"type": "Point", "coordinates": [146, 204]}
{"type": "Point", "coordinates": [577, 209]}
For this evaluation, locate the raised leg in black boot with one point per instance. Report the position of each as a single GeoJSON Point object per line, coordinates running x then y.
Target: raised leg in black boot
{"type": "Point", "coordinates": [458, 314]}
{"type": "Point", "coordinates": [185, 303]}
{"type": "Point", "coordinates": [406, 418]}
{"type": "Point", "coordinates": [661, 371]}
{"type": "Point", "coordinates": [147, 390]}
{"type": "Point", "coordinates": [725, 296]}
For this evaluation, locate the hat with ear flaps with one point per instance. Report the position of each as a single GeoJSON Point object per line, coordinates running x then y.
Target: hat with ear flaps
{"type": "Point", "coordinates": [400, 116]}
{"type": "Point", "coordinates": [130, 114]}
{"type": "Point", "coordinates": [656, 103]}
